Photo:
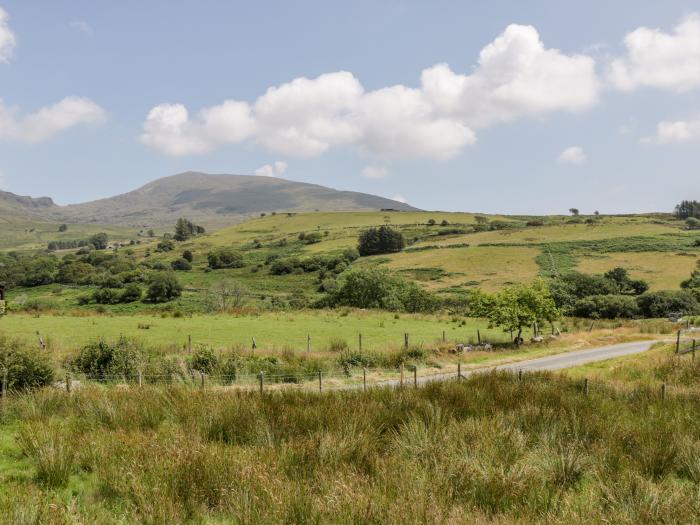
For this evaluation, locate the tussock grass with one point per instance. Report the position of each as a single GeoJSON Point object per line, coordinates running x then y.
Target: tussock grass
{"type": "Point", "coordinates": [487, 449]}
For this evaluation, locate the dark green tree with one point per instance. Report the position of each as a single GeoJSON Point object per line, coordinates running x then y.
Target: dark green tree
{"type": "Point", "coordinates": [163, 287]}
{"type": "Point", "coordinates": [383, 239]}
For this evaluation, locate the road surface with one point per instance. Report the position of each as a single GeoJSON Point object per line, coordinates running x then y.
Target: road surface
{"type": "Point", "coordinates": [552, 362]}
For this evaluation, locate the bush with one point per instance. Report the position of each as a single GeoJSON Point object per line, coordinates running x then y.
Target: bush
{"type": "Point", "coordinates": [312, 238]}
{"type": "Point", "coordinates": [163, 287]}
{"type": "Point", "coordinates": [103, 360]}
{"type": "Point", "coordinates": [380, 240]}
{"type": "Point", "coordinates": [188, 256]}
{"type": "Point", "coordinates": [26, 368]}
{"type": "Point", "coordinates": [131, 293]}
{"type": "Point", "coordinates": [165, 245]}
{"type": "Point", "coordinates": [204, 360]}
{"type": "Point", "coordinates": [663, 303]}
{"type": "Point", "coordinates": [607, 307]}
{"type": "Point", "coordinates": [225, 258]}
{"type": "Point", "coordinates": [377, 288]}
{"type": "Point", "coordinates": [181, 264]}
{"type": "Point", "coordinates": [106, 296]}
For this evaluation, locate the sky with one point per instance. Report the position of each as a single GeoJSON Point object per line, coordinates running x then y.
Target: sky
{"type": "Point", "coordinates": [497, 107]}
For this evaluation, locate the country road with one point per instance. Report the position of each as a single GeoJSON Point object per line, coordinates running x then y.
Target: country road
{"type": "Point", "coordinates": [552, 362]}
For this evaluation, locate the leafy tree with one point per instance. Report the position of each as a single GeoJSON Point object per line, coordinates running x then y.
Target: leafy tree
{"type": "Point", "coordinates": [63, 227]}
{"type": "Point", "coordinates": [445, 222]}
{"type": "Point", "coordinates": [383, 239]}
{"type": "Point", "coordinates": [163, 287]}
{"type": "Point", "coordinates": [187, 255]}
{"type": "Point", "coordinates": [26, 368]}
{"type": "Point", "coordinates": [665, 302]}
{"type": "Point", "coordinates": [607, 307]}
{"type": "Point", "coordinates": [431, 222]}
{"type": "Point", "coordinates": [694, 282]}
{"type": "Point", "coordinates": [102, 359]}
{"type": "Point", "coordinates": [99, 241]}
{"type": "Point", "coordinates": [166, 245]}
{"type": "Point", "coordinates": [516, 307]}
{"type": "Point", "coordinates": [132, 293]}
{"type": "Point", "coordinates": [627, 285]}
{"type": "Point", "coordinates": [574, 211]}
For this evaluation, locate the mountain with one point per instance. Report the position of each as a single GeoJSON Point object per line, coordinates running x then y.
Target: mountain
{"type": "Point", "coordinates": [210, 200]}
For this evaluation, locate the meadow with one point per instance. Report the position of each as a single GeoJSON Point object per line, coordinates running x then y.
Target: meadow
{"type": "Point", "coordinates": [487, 449]}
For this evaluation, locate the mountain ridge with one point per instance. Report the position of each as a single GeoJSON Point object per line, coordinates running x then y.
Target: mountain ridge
{"type": "Point", "coordinates": [212, 200]}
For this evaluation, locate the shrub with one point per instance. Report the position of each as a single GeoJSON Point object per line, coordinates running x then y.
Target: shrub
{"type": "Point", "coordinates": [102, 360]}
{"type": "Point", "coordinates": [204, 360]}
{"type": "Point", "coordinates": [26, 368]}
{"type": "Point", "coordinates": [99, 241]}
{"type": "Point", "coordinates": [131, 293]}
{"type": "Point", "coordinates": [188, 256]}
{"type": "Point", "coordinates": [312, 238]}
{"type": "Point", "coordinates": [607, 307]}
{"type": "Point", "coordinates": [225, 258]}
{"type": "Point", "coordinates": [181, 264]}
{"type": "Point", "coordinates": [106, 296]}
{"type": "Point", "coordinates": [663, 303]}
{"type": "Point", "coordinates": [535, 222]}
{"type": "Point", "coordinates": [163, 287]}
{"type": "Point", "coordinates": [166, 245]}
{"type": "Point", "coordinates": [380, 240]}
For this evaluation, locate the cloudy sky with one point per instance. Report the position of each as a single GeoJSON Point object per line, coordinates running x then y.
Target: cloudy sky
{"type": "Point", "coordinates": [500, 106]}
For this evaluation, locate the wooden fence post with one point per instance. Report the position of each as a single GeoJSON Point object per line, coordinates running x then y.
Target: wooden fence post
{"type": "Point", "coordinates": [189, 343]}
{"type": "Point", "coordinates": [401, 377]}
{"type": "Point", "coordinates": [3, 391]}
{"type": "Point", "coordinates": [405, 340]}
{"type": "Point", "coordinates": [261, 382]}
{"type": "Point", "coordinates": [253, 347]}
{"type": "Point", "coordinates": [585, 386]}
{"type": "Point", "coordinates": [415, 376]}
{"type": "Point", "coordinates": [444, 339]}
{"type": "Point", "coordinates": [520, 375]}
{"type": "Point", "coordinates": [693, 349]}
{"type": "Point", "coordinates": [68, 383]}
{"type": "Point", "coordinates": [359, 341]}
{"type": "Point", "coordinates": [202, 375]}
{"type": "Point", "coordinates": [678, 341]}
{"type": "Point", "coordinates": [364, 379]}
{"type": "Point", "coordinates": [459, 370]}
{"type": "Point", "coordinates": [140, 378]}
{"type": "Point", "coordinates": [308, 343]}
{"type": "Point", "coordinates": [663, 391]}
{"type": "Point", "coordinates": [320, 381]}
{"type": "Point", "coordinates": [478, 336]}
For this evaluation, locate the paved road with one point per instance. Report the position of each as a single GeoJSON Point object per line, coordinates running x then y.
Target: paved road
{"type": "Point", "coordinates": [552, 362]}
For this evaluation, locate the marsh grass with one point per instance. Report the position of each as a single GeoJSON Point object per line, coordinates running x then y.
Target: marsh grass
{"type": "Point", "coordinates": [487, 449]}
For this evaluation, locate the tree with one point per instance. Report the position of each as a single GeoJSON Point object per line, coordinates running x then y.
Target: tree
{"type": "Point", "coordinates": [383, 239]}
{"type": "Point", "coordinates": [225, 295]}
{"type": "Point", "coordinates": [185, 229]}
{"type": "Point", "coordinates": [431, 222]}
{"type": "Point", "coordinates": [99, 241]}
{"type": "Point", "coordinates": [694, 282]}
{"type": "Point", "coordinates": [187, 255]}
{"type": "Point", "coordinates": [516, 307]}
{"type": "Point", "coordinates": [163, 287]}
{"type": "Point", "coordinates": [166, 245]}
{"type": "Point", "coordinates": [444, 222]}
{"type": "Point", "coordinates": [63, 227]}
{"type": "Point", "coordinates": [181, 264]}
{"type": "Point", "coordinates": [687, 209]}
{"type": "Point", "coordinates": [574, 211]}
{"type": "Point", "coordinates": [692, 223]}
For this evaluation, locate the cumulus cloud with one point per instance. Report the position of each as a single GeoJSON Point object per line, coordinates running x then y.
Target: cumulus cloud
{"type": "Point", "coordinates": [275, 169]}
{"type": "Point", "coordinates": [7, 37]}
{"type": "Point", "coordinates": [658, 59]}
{"type": "Point", "coordinates": [516, 77]}
{"type": "Point", "coordinates": [48, 121]}
{"type": "Point", "coordinates": [572, 155]}
{"type": "Point", "coordinates": [375, 172]}
{"type": "Point", "coordinates": [675, 131]}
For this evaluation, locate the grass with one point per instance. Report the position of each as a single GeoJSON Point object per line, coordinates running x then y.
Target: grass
{"type": "Point", "coordinates": [663, 271]}
{"type": "Point", "coordinates": [488, 449]}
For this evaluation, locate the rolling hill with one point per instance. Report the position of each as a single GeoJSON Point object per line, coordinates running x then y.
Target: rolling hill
{"type": "Point", "coordinates": [210, 200]}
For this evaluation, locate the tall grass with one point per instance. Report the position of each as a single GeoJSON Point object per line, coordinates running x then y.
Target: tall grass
{"type": "Point", "coordinates": [487, 449]}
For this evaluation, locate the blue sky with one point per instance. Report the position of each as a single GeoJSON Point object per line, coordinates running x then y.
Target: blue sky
{"type": "Point", "coordinates": [501, 106]}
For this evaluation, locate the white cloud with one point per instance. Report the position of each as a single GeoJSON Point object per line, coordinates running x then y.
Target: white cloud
{"type": "Point", "coordinates": [82, 26]}
{"type": "Point", "coordinates": [375, 172]}
{"type": "Point", "coordinates": [275, 169]}
{"type": "Point", "coordinates": [7, 37]}
{"type": "Point", "coordinates": [661, 60]}
{"type": "Point", "coordinates": [572, 155]}
{"type": "Point", "coordinates": [399, 198]}
{"type": "Point", "coordinates": [48, 121]}
{"type": "Point", "coordinates": [516, 77]}
{"type": "Point", "coordinates": [675, 131]}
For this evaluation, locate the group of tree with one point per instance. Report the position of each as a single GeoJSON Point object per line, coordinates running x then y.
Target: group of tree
{"type": "Point", "coordinates": [379, 288]}
{"type": "Point", "coordinates": [615, 295]}
{"type": "Point", "coordinates": [99, 241]}
{"type": "Point", "coordinates": [184, 229]}
{"type": "Point", "coordinates": [225, 258]}
{"type": "Point", "coordinates": [687, 209]}
{"type": "Point", "coordinates": [383, 239]}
